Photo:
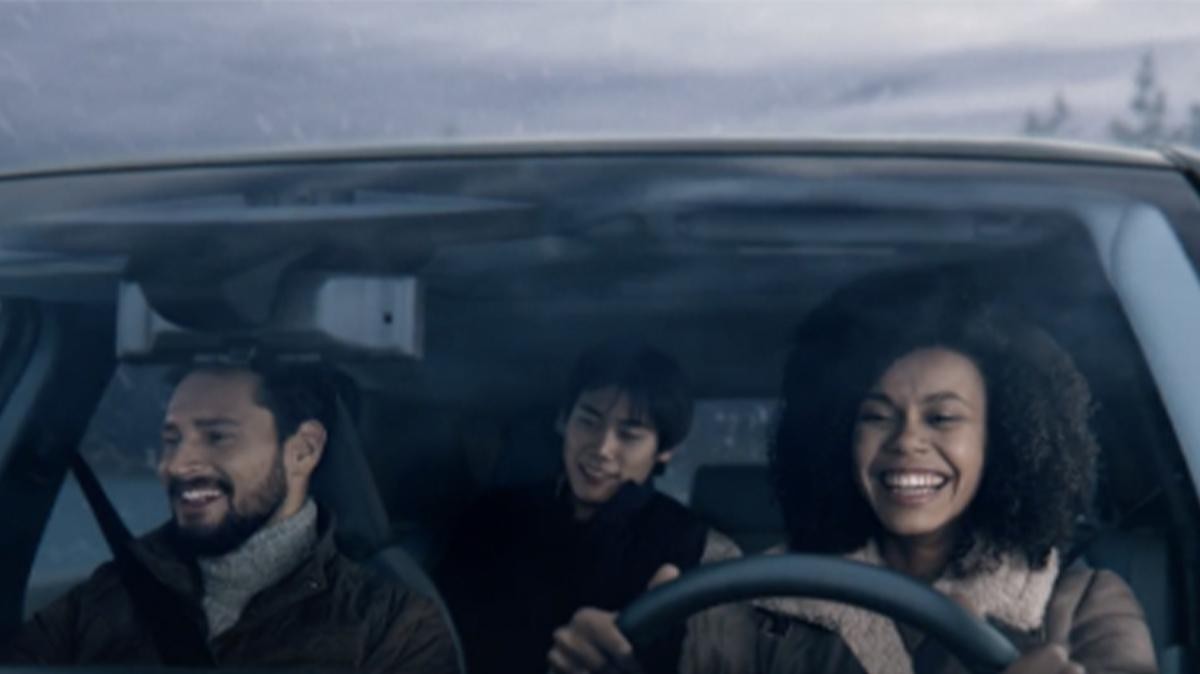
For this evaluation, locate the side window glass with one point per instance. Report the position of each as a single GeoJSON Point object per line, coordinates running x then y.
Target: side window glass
{"type": "Point", "coordinates": [723, 432]}
{"type": "Point", "coordinates": [121, 444]}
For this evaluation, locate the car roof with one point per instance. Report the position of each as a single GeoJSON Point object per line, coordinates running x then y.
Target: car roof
{"type": "Point", "coordinates": [861, 145]}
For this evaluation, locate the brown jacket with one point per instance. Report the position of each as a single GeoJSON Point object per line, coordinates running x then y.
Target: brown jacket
{"type": "Point", "coordinates": [1091, 613]}
{"type": "Point", "coordinates": [328, 614]}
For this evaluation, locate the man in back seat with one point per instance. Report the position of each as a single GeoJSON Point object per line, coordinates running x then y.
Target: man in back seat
{"type": "Point", "coordinates": [246, 573]}
{"type": "Point", "coordinates": [526, 560]}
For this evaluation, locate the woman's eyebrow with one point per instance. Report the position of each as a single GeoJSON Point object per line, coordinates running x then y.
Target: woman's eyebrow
{"type": "Point", "coordinates": [877, 397]}
{"type": "Point", "coordinates": [942, 396]}
{"type": "Point", "coordinates": [589, 410]}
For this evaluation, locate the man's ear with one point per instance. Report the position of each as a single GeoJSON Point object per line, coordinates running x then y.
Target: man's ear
{"type": "Point", "coordinates": [309, 446]}
{"type": "Point", "coordinates": [664, 457]}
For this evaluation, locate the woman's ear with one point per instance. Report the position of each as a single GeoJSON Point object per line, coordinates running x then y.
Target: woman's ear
{"type": "Point", "coordinates": [664, 457]}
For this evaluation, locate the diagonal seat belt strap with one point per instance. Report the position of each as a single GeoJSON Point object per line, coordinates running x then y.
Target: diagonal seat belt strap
{"type": "Point", "coordinates": [116, 534]}
{"type": "Point", "coordinates": [178, 640]}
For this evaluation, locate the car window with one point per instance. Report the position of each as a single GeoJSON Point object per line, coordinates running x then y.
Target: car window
{"type": "Point", "coordinates": [121, 446]}
{"type": "Point", "coordinates": [732, 431]}
{"type": "Point", "coordinates": [722, 287]}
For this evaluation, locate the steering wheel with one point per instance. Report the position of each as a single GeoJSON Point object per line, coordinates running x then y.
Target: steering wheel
{"type": "Point", "coordinates": [977, 645]}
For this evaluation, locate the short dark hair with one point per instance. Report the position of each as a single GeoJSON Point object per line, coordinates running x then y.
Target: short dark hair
{"type": "Point", "coordinates": [292, 393]}
{"type": "Point", "coordinates": [1040, 465]}
{"type": "Point", "coordinates": [654, 382]}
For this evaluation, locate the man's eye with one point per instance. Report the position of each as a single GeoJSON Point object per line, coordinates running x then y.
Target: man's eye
{"type": "Point", "coordinates": [217, 438]}
{"type": "Point", "coordinates": [588, 422]}
{"type": "Point", "coordinates": [631, 436]}
{"type": "Point", "coordinates": [170, 443]}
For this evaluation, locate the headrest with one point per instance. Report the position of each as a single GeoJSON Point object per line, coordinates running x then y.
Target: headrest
{"type": "Point", "coordinates": [738, 500]}
{"type": "Point", "coordinates": [343, 485]}
{"type": "Point", "coordinates": [531, 452]}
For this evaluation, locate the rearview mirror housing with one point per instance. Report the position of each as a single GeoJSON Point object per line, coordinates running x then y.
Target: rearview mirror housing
{"type": "Point", "coordinates": [315, 316]}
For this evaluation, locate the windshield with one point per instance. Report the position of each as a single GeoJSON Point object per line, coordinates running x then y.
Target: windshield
{"type": "Point", "coordinates": [87, 83]}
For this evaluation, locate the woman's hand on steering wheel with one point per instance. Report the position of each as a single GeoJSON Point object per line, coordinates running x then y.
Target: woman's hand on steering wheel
{"type": "Point", "coordinates": [1047, 659]}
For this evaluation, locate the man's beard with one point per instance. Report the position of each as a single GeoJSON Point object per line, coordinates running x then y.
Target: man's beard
{"type": "Point", "coordinates": [238, 525]}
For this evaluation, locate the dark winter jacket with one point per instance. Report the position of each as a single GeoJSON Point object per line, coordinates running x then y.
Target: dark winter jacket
{"type": "Point", "coordinates": [329, 614]}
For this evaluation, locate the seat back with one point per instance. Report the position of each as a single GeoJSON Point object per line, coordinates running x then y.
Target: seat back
{"type": "Point", "coordinates": [1142, 559]}
{"type": "Point", "coordinates": [344, 485]}
{"type": "Point", "coordinates": [737, 500]}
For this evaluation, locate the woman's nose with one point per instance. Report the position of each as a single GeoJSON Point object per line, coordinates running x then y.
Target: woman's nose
{"type": "Point", "coordinates": [909, 437]}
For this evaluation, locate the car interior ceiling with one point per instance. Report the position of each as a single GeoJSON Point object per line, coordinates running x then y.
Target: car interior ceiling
{"type": "Point", "coordinates": [722, 291]}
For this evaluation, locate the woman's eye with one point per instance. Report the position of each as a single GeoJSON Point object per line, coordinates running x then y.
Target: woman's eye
{"type": "Point", "coordinates": [943, 419]}
{"type": "Point", "coordinates": [218, 438]}
{"type": "Point", "coordinates": [871, 416]}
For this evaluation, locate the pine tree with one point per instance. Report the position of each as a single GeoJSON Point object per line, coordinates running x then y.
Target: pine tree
{"type": "Point", "coordinates": [1052, 124]}
{"type": "Point", "coordinates": [1148, 107]}
{"type": "Point", "coordinates": [1189, 133]}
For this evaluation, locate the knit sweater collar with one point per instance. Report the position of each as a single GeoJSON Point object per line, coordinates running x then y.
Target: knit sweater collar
{"type": "Point", "coordinates": [270, 554]}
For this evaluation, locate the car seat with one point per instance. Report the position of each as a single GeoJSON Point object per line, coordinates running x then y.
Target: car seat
{"type": "Point", "coordinates": [737, 500]}
{"type": "Point", "coordinates": [344, 485]}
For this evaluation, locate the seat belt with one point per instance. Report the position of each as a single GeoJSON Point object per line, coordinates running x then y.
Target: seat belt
{"type": "Point", "coordinates": [179, 642]}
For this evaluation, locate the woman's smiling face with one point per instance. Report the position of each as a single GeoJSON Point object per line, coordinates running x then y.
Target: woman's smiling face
{"type": "Point", "coordinates": [919, 441]}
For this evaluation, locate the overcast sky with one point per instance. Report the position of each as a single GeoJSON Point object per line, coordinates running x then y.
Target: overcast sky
{"type": "Point", "coordinates": [98, 81]}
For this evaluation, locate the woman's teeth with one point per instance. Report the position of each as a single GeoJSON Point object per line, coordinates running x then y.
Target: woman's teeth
{"type": "Point", "coordinates": [913, 481]}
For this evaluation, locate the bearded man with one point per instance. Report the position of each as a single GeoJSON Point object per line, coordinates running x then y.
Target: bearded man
{"type": "Point", "coordinates": [247, 559]}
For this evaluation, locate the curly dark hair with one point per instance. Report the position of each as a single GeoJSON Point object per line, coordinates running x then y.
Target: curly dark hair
{"type": "Point", "coordinates": [1040, 461]}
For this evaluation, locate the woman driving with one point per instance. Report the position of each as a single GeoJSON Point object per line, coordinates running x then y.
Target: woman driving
{"type": "Point", "coordinates": [942, 441]}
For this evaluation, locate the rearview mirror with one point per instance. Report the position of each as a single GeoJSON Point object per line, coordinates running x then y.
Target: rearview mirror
{"type": "Point", "coordinates": [338, 316]}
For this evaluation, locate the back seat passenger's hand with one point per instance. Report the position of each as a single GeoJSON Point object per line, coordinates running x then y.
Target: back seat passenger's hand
{"type": "Point", "coordinates": [591, 642]}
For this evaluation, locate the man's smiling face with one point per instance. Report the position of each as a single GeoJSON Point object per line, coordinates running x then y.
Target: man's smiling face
{"type": "Point", "coordinates": [222, 460]}
{"type": "Point", "coordinates": [605, 444]}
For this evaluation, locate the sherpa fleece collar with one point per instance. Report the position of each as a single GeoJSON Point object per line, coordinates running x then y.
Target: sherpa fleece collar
{"type": "Point", "coordinates": [1009, 592]}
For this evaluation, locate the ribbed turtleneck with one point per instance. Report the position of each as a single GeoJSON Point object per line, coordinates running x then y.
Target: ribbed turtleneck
{"type": "Point", "coordinates": [232, 579]}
